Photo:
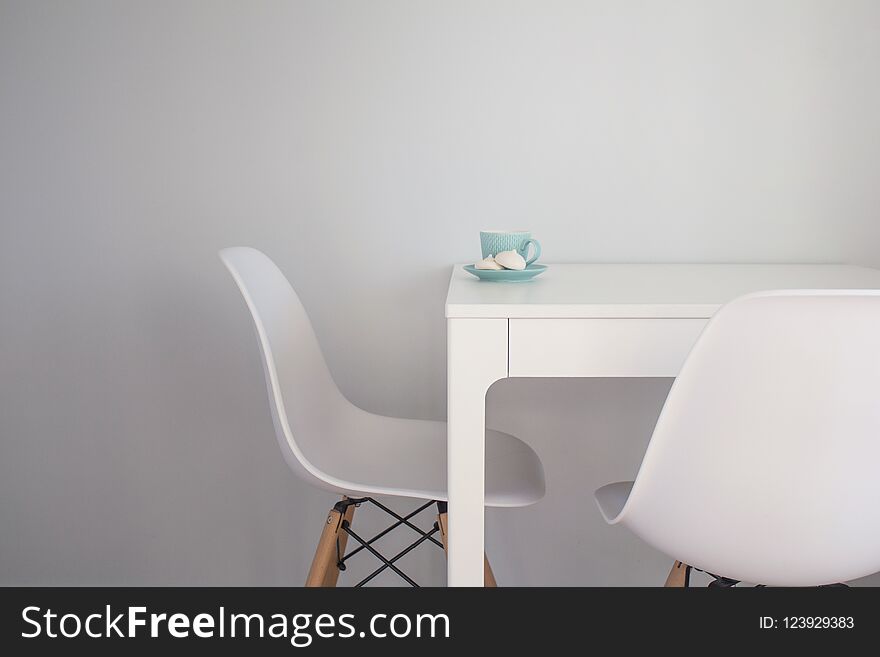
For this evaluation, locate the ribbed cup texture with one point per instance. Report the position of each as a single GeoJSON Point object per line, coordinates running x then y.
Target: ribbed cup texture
{"type": "Point", "coordinates": [494, 243]}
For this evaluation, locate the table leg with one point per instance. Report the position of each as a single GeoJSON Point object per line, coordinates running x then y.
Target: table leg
{"type": "Point", "coordinates": [476, 358]}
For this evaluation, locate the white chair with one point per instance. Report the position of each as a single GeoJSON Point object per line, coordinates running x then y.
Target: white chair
{"type": "Point", "coordinates": [763, 466]}
{"type": "Point", "coordinates": [338, 447]}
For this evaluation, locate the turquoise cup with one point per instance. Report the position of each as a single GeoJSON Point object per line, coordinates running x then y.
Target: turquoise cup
{"type": "Point", "coordinates": [494, 242]}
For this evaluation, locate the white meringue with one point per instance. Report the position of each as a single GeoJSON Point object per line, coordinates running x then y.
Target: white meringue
{"type": "Point", "coordinates": [488, 263]}
{"type": "Point", "coordinates": [510, 260]}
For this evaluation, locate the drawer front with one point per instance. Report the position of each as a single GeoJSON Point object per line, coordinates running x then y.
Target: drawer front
{"type": "Point", "coordinates": [601, 347]}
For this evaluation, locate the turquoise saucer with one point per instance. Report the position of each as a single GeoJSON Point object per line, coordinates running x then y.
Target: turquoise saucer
{"type": "Point", "coordinates": [506, 275]}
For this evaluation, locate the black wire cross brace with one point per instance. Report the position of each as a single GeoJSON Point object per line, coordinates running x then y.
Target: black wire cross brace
{"type": "Point", "coordinates": [367, 545]}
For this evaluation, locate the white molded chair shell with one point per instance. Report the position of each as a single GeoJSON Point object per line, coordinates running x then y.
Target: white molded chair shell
{"type": "Point", "coordinates": [763, 466]}
{"type": "Point", "coordinates": [339, 447]}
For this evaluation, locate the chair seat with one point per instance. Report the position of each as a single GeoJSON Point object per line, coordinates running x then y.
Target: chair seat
{"type": "Point", "coordinates": [612, 498]}
{"type": "Point", "coordinates": [396, 456]}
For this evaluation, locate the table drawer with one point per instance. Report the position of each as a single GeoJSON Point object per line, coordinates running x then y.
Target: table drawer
{"type": "Point", "coordinates": [601, 347]}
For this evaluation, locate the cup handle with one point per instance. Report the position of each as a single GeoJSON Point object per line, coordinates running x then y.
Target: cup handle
{"type": "Point", "coordinates": [524, 250]}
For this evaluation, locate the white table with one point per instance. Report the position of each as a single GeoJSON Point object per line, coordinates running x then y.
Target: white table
{"type": "Point", "coordinates": [580, 321]}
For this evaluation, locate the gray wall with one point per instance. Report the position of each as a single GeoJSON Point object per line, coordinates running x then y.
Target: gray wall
{"type": "Point", "coordinates": [362, 145]}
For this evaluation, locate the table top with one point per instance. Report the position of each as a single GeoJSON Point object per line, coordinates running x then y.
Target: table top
{"type": "Point", "coordinates": [580, 290]}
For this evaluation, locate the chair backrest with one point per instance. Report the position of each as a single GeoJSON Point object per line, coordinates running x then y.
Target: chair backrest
{"type": "Point", "coordinates": [764, 465]}
{"type": "Point", "coordinates": [304, 400]}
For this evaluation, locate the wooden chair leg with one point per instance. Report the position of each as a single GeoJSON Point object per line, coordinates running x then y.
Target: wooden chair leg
{"type": "Point", "coordinates": [488, 575]}
{"type": "Point", "coordinates": [441, 523]}
{"type": "Point", "coordinates": [325, 554]}
{"type": "Point", "coordinates": [342, 541]}
{"type": "Point", "coordinates": [679, 576]}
